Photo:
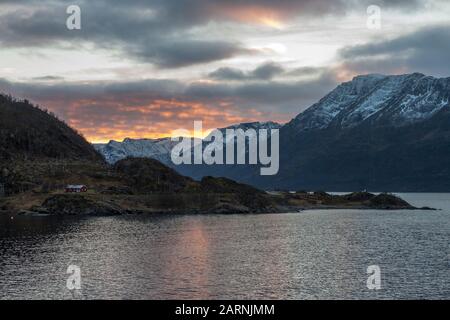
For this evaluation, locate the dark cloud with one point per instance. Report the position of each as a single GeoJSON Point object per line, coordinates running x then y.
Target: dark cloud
{"type": "Point", "coordinates": [48, 78]}
{"type": "Point", "coordinates": [152, 32]}
{"type": "Point", "coordinates": [425, 50]}
{"type": "Point", "coordinates": [306, 71]}
{"type": "Point", "coordinates": [155, 31]}
{"type": "Point", "coordinates": [286, 96]}
{"type": "Point", "coordinates": [266, 71]}
{"type": "Point", "coordinates": [189, 52]}
{"type": "Point", "coordinates": [227, 73]}
{"type": "Point", "coordinates": [115, 108]}
{"type": "Point", "coordinates": [262, 94]}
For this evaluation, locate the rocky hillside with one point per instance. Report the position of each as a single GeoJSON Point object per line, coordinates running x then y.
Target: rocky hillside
{"type": "Point", "coordinates": [27, 132]}
{"type": "Point", "coordinates": [147, 176]}
{"type": "Point", "coordinates": [136, 185]}
{"type": "Point", "coordinates": [38, 151]}
{"type": "Point", "coordinates": [144, 175]}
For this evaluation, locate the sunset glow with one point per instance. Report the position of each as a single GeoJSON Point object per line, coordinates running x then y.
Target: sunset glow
{"type": "Point", "coordinates": [223, 62]}
{"type": "Point", "coordinates": [256, 15]}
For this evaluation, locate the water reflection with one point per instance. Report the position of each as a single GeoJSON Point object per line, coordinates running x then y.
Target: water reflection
{"type": "Point", "coordinates": [313, 254]}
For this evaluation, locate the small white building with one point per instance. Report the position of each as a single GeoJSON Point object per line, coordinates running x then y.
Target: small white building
{"type": "Point", "coordinates": [76, 188]}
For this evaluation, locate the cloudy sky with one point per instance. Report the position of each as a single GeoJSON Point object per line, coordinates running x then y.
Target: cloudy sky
{"type": "Point", "coordinates": [142, 68]}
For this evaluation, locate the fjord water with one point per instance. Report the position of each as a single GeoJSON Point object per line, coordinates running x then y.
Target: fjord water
{"type": "Point", "coordinates": [307, 255]}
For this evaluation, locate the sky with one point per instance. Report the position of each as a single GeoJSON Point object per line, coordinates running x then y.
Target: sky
{"type": "Point", "coordinates": [143, 68]}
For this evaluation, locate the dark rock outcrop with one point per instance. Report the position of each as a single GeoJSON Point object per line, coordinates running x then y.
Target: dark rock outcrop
{"type": "Point", "coordinates": [355, 200]}
{"type": "Point", "coordinates": [387, 201]}
{"type": "Point", "coordinates": [145, 175]}
{"type": "Point", "coordinates": [68, 204]}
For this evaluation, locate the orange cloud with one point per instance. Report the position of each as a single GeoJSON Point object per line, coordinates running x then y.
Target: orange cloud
{"type": "Point", "coordinates": [101, 121]}
{"type": "Point", "coordinates": [255, 15]}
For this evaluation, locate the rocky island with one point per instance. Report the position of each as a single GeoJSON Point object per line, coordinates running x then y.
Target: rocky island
{"type": "Point", "coordinates": [40, 155]}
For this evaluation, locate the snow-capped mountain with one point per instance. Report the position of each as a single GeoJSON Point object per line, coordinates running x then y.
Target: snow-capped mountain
{"type": "Point", "coordinates": [160, 149]}
{"type": "Point", "coordinates": [376, 132]}
{"type": "Point", "coordinates": [254, 125]}
{"type": "Point", "coordinates": [395, 100]}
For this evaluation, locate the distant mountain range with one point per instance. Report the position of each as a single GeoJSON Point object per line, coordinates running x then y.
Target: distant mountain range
{"type": "Point", "coordinates": [377, 132]}
{"type": "Point", "coordinates": [159, 149]}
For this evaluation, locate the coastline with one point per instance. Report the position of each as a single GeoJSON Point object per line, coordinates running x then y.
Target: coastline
{"type": "Point", "coordinates": [92, 204]}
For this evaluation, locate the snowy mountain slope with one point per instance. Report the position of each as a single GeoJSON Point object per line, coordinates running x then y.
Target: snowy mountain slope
{"type": "Point", "coordinates": [254, 125]}
{"type": "Point", "coordinates": [376, 132]}
{"type": "Point", "coordinates": [395, 100]}
{"type": "Point", "coordinates": [160, 149]}
{"type": "Point", "coordinates": [269, 125]}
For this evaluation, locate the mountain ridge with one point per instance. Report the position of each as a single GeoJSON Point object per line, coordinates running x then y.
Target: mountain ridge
{"type": "Point", "coordinates": [377, 132]}
{"type": "Point", "coordinates": [364, 96]}
{"type": "Point", "coordinates": [160, 148]}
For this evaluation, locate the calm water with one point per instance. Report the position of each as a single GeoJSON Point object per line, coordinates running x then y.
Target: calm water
{"type": "Point", "coordinates": [307, 255]}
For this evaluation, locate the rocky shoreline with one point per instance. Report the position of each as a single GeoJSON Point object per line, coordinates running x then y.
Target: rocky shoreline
{"type": "Point", "coordinates": [282, 202]}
